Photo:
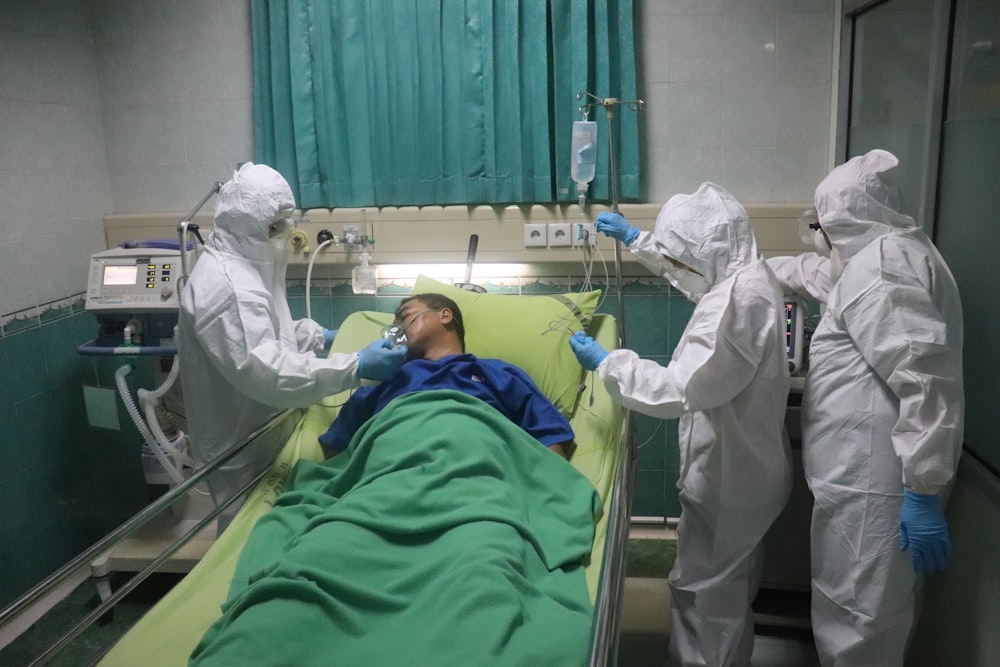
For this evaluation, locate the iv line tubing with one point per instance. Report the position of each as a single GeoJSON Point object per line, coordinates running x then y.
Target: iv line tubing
{"type": "Point", "coordinates": [609, 104]}
{"type": "Point", "coordinates": [613, 178]}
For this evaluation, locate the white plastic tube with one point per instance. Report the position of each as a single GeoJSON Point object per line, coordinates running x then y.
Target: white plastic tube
{"type": "Point", "coordinates": [144, 431]}
{"type": "Point", "coordinates": [150, 400]}
{"type": "Point", "coordinates": [309, 271]}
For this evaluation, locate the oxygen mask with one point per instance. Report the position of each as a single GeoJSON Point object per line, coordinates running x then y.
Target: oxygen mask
{"type": "Point", "coordinates": [395, 333]}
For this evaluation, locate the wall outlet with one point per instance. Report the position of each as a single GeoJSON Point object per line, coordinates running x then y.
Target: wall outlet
{"type": "Point", "coordinates": [535, 235]}
{"type": "Point", "coordinates": [583, 233]}
{"type": "Point", "coordinates": [350, 235]}
{"type": "Point", "coordinates": [559, 234]}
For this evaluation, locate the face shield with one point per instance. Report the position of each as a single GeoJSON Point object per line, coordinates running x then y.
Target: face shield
{"type": "Point", "coordinates": [279, 231]}
{"type": "Point", "coordinates": [687, 280]}
{"type": "Point", "coordinates": [808, 223]}
{"type": "Point", "coordinates": [821, 242]}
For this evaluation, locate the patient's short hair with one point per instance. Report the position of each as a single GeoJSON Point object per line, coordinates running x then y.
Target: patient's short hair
{"type": "Point", "coordinates": [440, 302]}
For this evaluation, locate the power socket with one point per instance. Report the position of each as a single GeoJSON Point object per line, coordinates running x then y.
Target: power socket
{"type": "Point", "coordinates": [559, 235]}
{"type": "Point", "coordinates": [584, 233]}
{"type": "Point", "coordinates": [535, 235]}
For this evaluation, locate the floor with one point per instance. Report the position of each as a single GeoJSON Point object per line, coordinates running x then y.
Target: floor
{"type": "Point", "coordinates": [645, 632]}
{"type": "Point", "coordinates": [782, 638]}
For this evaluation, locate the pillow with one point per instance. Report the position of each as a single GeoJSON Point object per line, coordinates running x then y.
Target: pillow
{"type": "Point", "coordinates": [531, 332]}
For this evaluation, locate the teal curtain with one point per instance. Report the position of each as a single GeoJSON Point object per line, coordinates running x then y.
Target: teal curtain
{"type": "Point", "coordinates": [413, 102]}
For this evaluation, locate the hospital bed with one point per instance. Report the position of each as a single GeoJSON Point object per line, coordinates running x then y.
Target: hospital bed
{"type": "Point", "coordinates": [496, 326]}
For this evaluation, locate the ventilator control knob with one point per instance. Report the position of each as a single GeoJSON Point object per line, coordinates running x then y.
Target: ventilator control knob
{"type": "Point", "coordinates": [166, 292]}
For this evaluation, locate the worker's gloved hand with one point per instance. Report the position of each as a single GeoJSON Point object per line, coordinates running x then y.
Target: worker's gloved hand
{"type": "Point", "coordinates": [616, 226]}
{"type": "Point", "coordinates": [588, 352]}
{"type": "Point", "coordinates": [328, 336]}
{"type": "Point", "coordinates": [923, 530]}
{"type": "Point", "coordinates": [380, 360]}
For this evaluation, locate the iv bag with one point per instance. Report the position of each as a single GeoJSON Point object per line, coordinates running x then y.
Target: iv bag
{"type": "Point", "coordinates": [584, 160]}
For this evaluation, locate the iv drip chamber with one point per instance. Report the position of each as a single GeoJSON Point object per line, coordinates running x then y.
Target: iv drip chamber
{"type": "Point", "coordinates": [583, 163]}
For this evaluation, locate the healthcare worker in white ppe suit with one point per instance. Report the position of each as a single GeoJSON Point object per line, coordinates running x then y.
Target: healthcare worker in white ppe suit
{"type": "Point", "coordinates": [882, 412]}
{"type": "Point", "coordinates": [242, 356]}
{"type": "Point", "coordinates": [727, 382]}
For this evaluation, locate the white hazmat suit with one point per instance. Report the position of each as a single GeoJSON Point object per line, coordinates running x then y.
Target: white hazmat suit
{"type": "Point", "coordinates": [882, 408]}
{"type": "Point", "coordinates": [728, 383]}
{"type": "Point", "coordinates": [242, 356]}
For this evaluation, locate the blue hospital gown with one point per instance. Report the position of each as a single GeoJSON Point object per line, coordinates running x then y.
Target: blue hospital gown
{"type": "Point", "coordinates": [503, 386]}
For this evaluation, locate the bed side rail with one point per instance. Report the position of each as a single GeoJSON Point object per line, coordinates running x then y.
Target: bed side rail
{"type": "Point", "coordinates": [607, 608]}
{"type": "Point", "coordinates": [282, 422]}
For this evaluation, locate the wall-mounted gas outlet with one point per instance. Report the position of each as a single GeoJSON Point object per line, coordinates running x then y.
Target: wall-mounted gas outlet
{"type": "Point", "coordinates": [350, 236]}
{"type": "Point", "coordinates": [559, 234]}
{"type": "Point", "coordinates": [535, 235]}
{"type": "Point", "coordinates": [583, 233]}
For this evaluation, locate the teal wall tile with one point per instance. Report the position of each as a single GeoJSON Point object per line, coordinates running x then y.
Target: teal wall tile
{"type": "Point", "coordinates": [26, 359]}
{"type": "Point", "coordinates": [11, 443]}
{"type": "Point", "coordinates": [8, 389]}
{"type": "Point", "coordinates": [15, 509]}
{"type": "Point", "coordinates": [39, 428]}
{"type": "Point", "coordinates": [386, 304]}
{"type": "Point", "coordinates": [85, 328]}
{"type": "Point", "coordinates": [55, 470]}
{"type": "Point", "coordinates": [62, 361]}
{"type": "Point", "coordinates": [23, 324]}
{"type": "Point", "coordinates": [649, 438]}
{"type": "Point", "coordinates": [648, 498]}
{"type": "Point", "coordinates": [23, 566]}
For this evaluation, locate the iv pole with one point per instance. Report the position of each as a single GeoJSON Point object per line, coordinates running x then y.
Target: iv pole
{"type": "Point", "coordinates": [609, 104]}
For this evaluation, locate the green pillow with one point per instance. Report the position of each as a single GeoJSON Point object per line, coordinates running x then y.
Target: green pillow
{"type": "Point", "coordinates": [531, 332]}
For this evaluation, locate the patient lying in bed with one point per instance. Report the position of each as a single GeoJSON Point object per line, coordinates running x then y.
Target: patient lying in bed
{"type": "Point", "coordinates": [436, 356]}
{"type": "Point", "coordinates": [442, 534]}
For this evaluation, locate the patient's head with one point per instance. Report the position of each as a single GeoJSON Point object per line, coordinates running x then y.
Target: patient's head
{"type": "Point", "coordinates": [433, 325]}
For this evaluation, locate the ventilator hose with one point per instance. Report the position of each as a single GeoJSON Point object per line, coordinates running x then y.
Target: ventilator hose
{"type": "Point", "coordinates": [150, 399]}
{"type": "Point", "coordinates": [144, 431]}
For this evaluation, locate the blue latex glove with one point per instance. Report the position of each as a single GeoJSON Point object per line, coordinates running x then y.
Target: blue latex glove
{"type": "Point", "coordinates": [328, 336]}
{"type": "Point", "coordinates": [588, 352]}
{"type": "Point", "coordinates": [616, 226]}
{"type": "Point", "coordinates": [380, 360]}
{"type": "Point", "coordinates": [923, 530]}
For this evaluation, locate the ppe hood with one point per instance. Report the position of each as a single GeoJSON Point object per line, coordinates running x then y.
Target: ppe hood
{"type": "Point", "coordinates": [857, 203]}
{"type": "Point", "coordinates": [256, 196]}
{"type": "Point", "coordinates": [707, 230]}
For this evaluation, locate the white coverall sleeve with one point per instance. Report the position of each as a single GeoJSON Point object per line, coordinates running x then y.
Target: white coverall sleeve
{"type": "Point", "coordinates": [807, 275]}
{"type": "Point", "coordinates": [240, 340]}
{"type": "Point", "coordinates": [309, 336]}
{"type": "Point", "coordinates": [715, 360]}
{"type": "Point", "coordinates": [903, 336]}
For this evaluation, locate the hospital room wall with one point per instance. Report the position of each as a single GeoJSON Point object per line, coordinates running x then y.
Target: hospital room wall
{"type": "Point", "coordinates": [139, 105]}
{"type": "Point", "coordinates": [63, 484]}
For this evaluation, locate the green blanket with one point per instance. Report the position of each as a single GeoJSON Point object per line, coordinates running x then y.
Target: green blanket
{"type": "Point", "coordinates": [444, 535]}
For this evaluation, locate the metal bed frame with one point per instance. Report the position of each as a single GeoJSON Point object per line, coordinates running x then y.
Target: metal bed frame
{"type": "Point", "coordinates": [604, 629]}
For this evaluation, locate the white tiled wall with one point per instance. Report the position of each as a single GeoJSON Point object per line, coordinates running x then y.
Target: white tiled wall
{"type": "Point", "coordinates": [176, 86]}
{"type": "Point", "coordinates": [132, 106]}
{"type": "Point", "coordinates": [54, 185]}
{"type": "Point", "coordinates": [738, 93]}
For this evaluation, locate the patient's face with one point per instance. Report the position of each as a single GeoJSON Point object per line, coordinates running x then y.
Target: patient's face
{"type": "Point", "coordinates": [422, 325]}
